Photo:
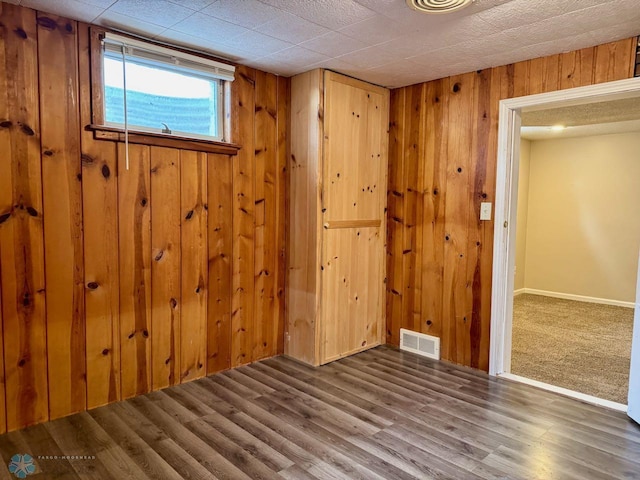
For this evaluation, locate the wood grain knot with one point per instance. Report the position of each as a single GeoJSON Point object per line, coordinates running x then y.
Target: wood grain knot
{"type": "Point", "coordinates": [92, 285]}
{"type": "Point", "coordinates": [131, 335]}
{"type": "Point", "coordinates": [159, 256]}
{"type": "Point", "coordinates": [6, 124]}
{"type": "Point", "coordinates": [173, 302]}
{"type": "Point", "coordinates": [27, 130]}
{"type": "Point", "coordinates": [48, 23]}
{"type": "Point", "coordinates": [189, 215]}
{"type": "Point", "coordinates": [145, 333]}
{"type": "Point", "coordinates": [86, 159]}
{"type": "Point", "coordinates": [168, 361]}
{"type": "Point", "coordinates": [48, 153]}
{"type": "Point", "coordinates": [143, 202]}
{"type": "Point", "coordinates": [20, 33]}
{"type": "Point", "coordinates": [26, 300]}
{"type": "Point", "coordinates": [4, 217]}
{"type": "Point", "coordinates": [32, 211]}
{"type": "Point", "coordinates": [429, 322]}
{"type": "Point", "coordinates": [106, 172]}
{"type": "Point", "coordinates": [456, 87]}
{"type": "Point", "coordinates": [105, 351]}
{"type": "Point", "coordinates": [459, 170]}
{"type": "Point", "coordinates": [22, 362]}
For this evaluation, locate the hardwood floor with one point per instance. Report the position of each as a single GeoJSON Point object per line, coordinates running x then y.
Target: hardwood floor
{"type": "Point", "coordinates": [382, 414]}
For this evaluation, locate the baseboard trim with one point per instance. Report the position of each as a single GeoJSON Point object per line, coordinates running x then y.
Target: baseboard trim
{"type": "Point", "coordinates": [578, 298]}
{"type": "Point", "coordinates": [620, 407]}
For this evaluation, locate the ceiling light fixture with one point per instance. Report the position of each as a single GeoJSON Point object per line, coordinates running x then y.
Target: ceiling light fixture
{"type": "Point", "coordinates": [438, 6]}
{"type": "Point", "coordinates": [558, 128]}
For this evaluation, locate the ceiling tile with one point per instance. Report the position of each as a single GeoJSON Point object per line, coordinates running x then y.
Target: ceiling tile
{"type": "Point", "coordinates": [194, 4]}
{"type": "Point", "coordinates": [367, 58]}
{"type": "Point", "coordinates": [332, 14]}
{"type": "Point", "coordinates": [159, 12]}
{"type": "Point", "coordinates": [209, 28]}
{"type": "Point", "coordinates": [246, 13]}
{"type": "Point", "coordinates": [198, 43]}
{"type": "Point", "coordinates": [374, 30]}
{"type": "Point", "coordinates": [257, 43]}
{"type": "Point", "coordinates": [100, 3]}
{"type": "Point", "coordinates": [66, 8]}
{"type": "Point", "coordinates": [296, 56]}
{"type": "Point", "coordinates": [523, 12]}
{"type": "Point", "coordinates": [334, 44]}
{"type": "Point", "coordinates": [129, 24]}
{"type": "Point", "coordinates": [291, 28]}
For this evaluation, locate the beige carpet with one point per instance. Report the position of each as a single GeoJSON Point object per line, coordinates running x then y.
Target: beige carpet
{"type": "Point", "coordinates": [581, 346]}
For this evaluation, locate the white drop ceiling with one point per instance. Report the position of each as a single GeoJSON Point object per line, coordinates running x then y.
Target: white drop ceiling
{"type": "Point", "coordinates": [381, 41]}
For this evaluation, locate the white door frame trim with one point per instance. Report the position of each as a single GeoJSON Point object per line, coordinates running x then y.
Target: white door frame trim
{"type": "Point", "coordinates": [507, 194]}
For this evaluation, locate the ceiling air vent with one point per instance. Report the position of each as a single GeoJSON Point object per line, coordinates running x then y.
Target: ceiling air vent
{"type": "Point", "coordinates": [438, 6]}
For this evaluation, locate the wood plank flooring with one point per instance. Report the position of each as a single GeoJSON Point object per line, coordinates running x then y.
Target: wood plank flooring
{"type": "Point", "coordinates": [381, 414]}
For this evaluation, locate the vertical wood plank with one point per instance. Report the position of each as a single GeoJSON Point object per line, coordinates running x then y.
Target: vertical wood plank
{"type": "Point", "coordinates": [194, 281]}
{"type": "Point", "coordinates": [552, 73]}
{"type": "Point", "coordinates": [282, 204]}
{"type": "Point", "coordinates": [165, 267]}
{"type": "Point", "coordinates": [21, 225]}
{"type": "Point", "coordinates": [395, 212]}
{"type": "Point", "coordinates": [614, 61]}
{"type": "Point", "coordinates": [304, 216]}
{"type": "Point", "coordinates": [242, 311]}
{"type": "Point", "coordinates": [434, 173]}
{"type": "Point", "coordinates": [62, 201]}
{"type": "Point", "coordinates": [455, 310]}
{"type": "Point", "coordinates": [220, 239]}
{"type": "Point", "coordinates": [537, 72]}
{"type": "Point", "coordinates": [480, 190]}
{"type": "Point", "coordinates": [134, 231]}
{"type": "Point", "coordinates": [518, 85]}
{"type": "Point", "coordinates": [266, 255]}
{"type": "Point", "coordinates": [101, 260]}
{"type": "Point", "coordinates": [413, 153]}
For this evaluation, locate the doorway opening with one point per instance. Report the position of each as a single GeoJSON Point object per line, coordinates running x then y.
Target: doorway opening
{"type": "Point", "coordinates": [565, 258]}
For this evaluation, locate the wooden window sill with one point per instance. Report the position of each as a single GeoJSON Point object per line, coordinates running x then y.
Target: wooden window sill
{"type": "Point", "coordinates": [114, 134]}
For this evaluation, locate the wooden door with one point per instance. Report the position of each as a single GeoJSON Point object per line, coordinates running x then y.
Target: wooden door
{"type": "Point", "coordinates": [353, 202]}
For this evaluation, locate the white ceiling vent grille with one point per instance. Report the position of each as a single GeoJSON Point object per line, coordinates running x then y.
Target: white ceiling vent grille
{"type": "Point", "coordinates": [419, 343]}
{"type": "Point", "coordinates": [438, 6]}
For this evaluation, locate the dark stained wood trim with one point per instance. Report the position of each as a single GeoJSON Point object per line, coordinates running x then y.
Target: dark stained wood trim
{"type": "Point", "coordinates": [114, 134]}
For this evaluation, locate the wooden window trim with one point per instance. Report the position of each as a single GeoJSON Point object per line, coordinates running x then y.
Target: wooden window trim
{"type": "Point", "coordinates": [115, 134]}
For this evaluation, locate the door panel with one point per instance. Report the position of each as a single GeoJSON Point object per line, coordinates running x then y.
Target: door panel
{"type": "Point", "coordinates": [353, 291]}
{"type": "Point", "coordinates": [355, 142]}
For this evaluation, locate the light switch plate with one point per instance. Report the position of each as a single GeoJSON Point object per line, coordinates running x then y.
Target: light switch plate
{"type": "Point", "coordinates": [485, 211]}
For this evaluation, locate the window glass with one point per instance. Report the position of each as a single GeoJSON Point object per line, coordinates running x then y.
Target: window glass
{"type": "Point", "coordinates": [157, 95]}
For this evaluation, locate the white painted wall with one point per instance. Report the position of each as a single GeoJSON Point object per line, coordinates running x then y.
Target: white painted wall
{"type": "Point", "coordinates": [521, 221]}
{"type": "Point", "coordinates": [582, 227]}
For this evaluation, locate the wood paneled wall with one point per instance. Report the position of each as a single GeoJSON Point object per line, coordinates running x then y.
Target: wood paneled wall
{"type": "Point", "coordinates": [443, 149]}
{"type": "Point", "coordinates": [116, 282]}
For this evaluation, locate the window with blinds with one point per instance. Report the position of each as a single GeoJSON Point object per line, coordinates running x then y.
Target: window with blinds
{"type": "Point", "coordinates": [160, 90]}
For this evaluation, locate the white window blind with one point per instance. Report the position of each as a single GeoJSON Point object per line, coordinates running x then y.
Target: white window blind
{"type": "Point", "coordinates": [154, 54]}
